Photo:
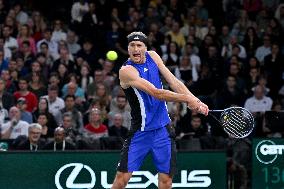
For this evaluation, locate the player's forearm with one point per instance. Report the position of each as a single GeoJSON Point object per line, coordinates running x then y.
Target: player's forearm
{"type": "Point", "coordinates": [167, 95]}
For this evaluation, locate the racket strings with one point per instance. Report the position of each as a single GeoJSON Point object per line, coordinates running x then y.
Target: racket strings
{"type": "Point", "coordinates": [237, 122]}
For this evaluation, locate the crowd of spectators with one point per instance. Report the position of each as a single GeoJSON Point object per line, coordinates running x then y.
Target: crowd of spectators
{"type": "Point", "coordinates": [56, 83]}
{"type": "Point", "coordinates": [228, 53]}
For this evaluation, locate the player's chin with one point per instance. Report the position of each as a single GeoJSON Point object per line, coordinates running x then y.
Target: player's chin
{"type": "Point", "coordinates": [136, 59]}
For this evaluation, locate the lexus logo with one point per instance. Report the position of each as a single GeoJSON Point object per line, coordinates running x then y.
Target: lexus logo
{"type": "Point", "coordinates": [73, 175]}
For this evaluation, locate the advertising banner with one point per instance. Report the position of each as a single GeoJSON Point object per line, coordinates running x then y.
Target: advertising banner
{"type": "Point", "coordinates": [268, 164]}
{"type": "Point", "coordinates": [78, 170]}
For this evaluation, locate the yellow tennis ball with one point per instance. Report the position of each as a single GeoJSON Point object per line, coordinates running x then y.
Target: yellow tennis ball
{"type": "Point", "coordinates": [111, 55]}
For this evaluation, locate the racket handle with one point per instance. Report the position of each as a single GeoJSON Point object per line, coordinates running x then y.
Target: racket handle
{"type": "Point", "coordinates": [216, 110]}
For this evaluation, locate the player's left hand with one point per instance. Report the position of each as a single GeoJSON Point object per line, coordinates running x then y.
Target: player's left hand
{"type": "Point", "coordinates": [203, 109]}
{"type": "Point", "coordinates": [200, 107]}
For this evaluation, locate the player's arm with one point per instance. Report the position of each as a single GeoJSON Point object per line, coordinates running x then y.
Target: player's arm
{"type": "Point", "coordinates": [176, 84]}
{"type": "Point", "coordinates": [129, 77]}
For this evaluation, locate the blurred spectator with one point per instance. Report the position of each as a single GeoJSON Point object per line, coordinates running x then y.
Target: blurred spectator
{"type": "Point", "coordinates": [171, 58]}
{"type": "Point", "coordinates": [59, 143]}
{"type": "Point", "coordinates": [113, 34]}
{"type": "Point", "coordinates": [43, 108]}
{"type": "Point", "coordinates": [54, 80]}
{"type": "Point", "coordinates": [47, 129]}
{"type": "Point", "coordinates": [38, 25]}
{"type": "Point", "coordinates": [65, 59]}
{"type": "Point", "coordinates": [15, 127]}
{"type": "Point", "coordinates": [224, 37]}
{"type": "Point", "coordinates": [240, 27]}
{"type": "Point", "coordinates": [103, 95]}
{"type": "Point", "coordinates": [12, 66]}
{"type": "Point", "coordinates": [235, 70]}
{"type": "Point", "coordinates": [85, 79]}
{"type": "Point", "coordinates": [28, 95]}
{"type": "Point", "coordinates": [79, 9]}
{"type": "Point", "coordinates": [3, 11]}
{"type": "Point", "coordinates": [274, 69]}
{"type": "Point", "coordinates": [258, 102]}
{"type": "Point", "coordinates": [276, 29]}
{"type": "Point", "coordinates": [227, 50]}
{"type": "Point", "coordinates": [201, 12]}
{"type": "Point", "coordinates": [4, 116]}
{"type": "Point", "coordinates": [58, 34]}
{"type": "Point", "coordinates": [27, 53]}
{"type": "Point", "coordinates": [118, 129]}
{"type": "Point", "coordinates": [52, 45]}
{"type": "Point", "coordinates": [116, 17]}
{"type": "Point", "coordinates": [3, 61]}
{"type": "Point", "coordinates": [25, 35]}
{"type": "Point", "coordinates": [109, 75]}
{"type": "Point", "coordinates": [62, 72]}
{"type": "Point", "coordinates": [72, 44]}
{"type": "Point", "coordinates": [67, 125]}
{"type": "Point", "coordinates": [279, 14]}
{"type": "Point", "coordinates": [120, 105]}
{"type": "Point", "coordinates": [33, 142]}
{"type": "Point", "coordinates": [72, 88]}
{"type": "Point", "coordinates": [176, 35]}
{"type": "Point", "coordinates": [185, 70]}
{"type": "Point", "coordinates": [251, 41]}
{"type": "Point", "coordinates": [263, 50]}
{"type": "Point", "coordinates": [262, 81]}
{"type": "Point", "coordinates": [6, 99]}
{"type": "Point", "coordinates": [21, 16]}
{"type": "Point", "coordinates": [89, 54]}
{"type": "Point", "coordinates": [36, 85]}
{"type": "Point", "coordinates": [151, 17]}
{"type": "Point", "coordinates": [231, 95]}
{"type": "Point", "coordinates": [95, 129]}
{"type": "Point", "coordinates": [195, 129]}
{"type": "Point", "coordinates": [252, 79]}
{"type": "Point", "coordinates": [55, 103]}
{"type": "Point", "coordinates": [49, 58]}
{"type": "Point", "coordinates": [91, 23]}
{"type": "Point", "coordinates": [22, 106]}
{"type": "Point", "coordinates": [167, 25]}
{"type": "Point", "coordinates": [7, 52]}
{"type": "Point", "coordinates": [10, 21]}
{"type": "Point", "coordinates": [9, 41]}
{"type": "Point", "coordinates": [10, 85]}
{"type": "Point", "coordinates": [195, 61]}
{"type": "Point", "coordinates": [252, 8]}
{"type": "Point", "coordinates": [76, 115]}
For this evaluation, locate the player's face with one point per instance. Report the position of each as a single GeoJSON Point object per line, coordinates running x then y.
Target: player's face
{"type": "Point", "coordinates": [136, 51]}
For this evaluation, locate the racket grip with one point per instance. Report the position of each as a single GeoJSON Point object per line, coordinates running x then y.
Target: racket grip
{"type": "Point", "coordinates": [216, 110]}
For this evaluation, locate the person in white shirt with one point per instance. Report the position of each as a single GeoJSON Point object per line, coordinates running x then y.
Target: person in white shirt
{"type": "Point", "coordinates": [58, 34]}
{"type": "Point", "coordinates": [55, 103]}
{"type": "Point", "coordinates": [15, 127]}
{"type": "Point", "coordinates": [194, 60]}
{"type": "Point", "coordinates": [258, 102]}
{"type": "Point", "coordinates": [7, 52]}
{"type": "Point", "coordinates": [52, 45]}
{"type": "Point", "coordinates": [9, 42]}
{"type": "Point", "coordinates": [78, 10]}
{"type": "Point", "coordinates": [21, 16]}
{"type": "Point", "coordinates": [263, 50]}
{"type": "Point", "coordinates": [227, 49]}
{"type": "Point", "coordinates": [72, 44]}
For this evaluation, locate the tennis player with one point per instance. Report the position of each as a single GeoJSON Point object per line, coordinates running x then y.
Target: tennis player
{"type": "Point", "coordinates": [150, 132]}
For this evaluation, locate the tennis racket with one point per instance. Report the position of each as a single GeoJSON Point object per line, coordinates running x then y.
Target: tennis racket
{"type": "Point", "coordinates": [237, 122]}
